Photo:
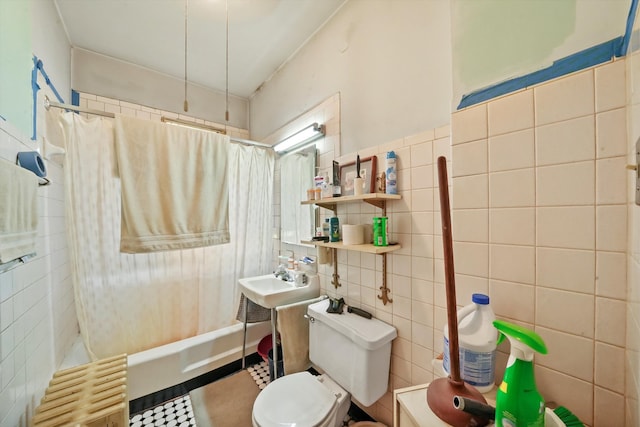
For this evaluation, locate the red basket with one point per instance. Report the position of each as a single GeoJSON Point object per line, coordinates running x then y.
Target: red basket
{"type": "Point", "coordinates": [264, 346]}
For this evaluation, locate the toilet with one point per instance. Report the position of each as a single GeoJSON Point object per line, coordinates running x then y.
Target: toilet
{"type": "Point", "coordinates": [354, 354]}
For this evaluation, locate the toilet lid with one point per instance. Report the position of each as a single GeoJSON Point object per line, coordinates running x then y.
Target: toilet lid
{"type": "Point", "coordinates": [293, 400]}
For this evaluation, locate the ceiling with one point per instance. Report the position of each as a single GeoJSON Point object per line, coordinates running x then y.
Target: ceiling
{"type": "Point", "coordinates": [263, 34]}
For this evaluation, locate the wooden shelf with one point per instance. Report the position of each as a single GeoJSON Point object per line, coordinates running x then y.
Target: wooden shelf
{"type": "Point", "coordinates": [376, 199]}
{"type": "Point", "coordinates": [368, 248]}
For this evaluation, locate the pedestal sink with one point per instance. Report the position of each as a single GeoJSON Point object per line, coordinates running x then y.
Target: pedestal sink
{"type": "Point", "coordinates": [271, 292]}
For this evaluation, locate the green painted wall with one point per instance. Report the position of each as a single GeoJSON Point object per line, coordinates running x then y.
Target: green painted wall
{"type": "Point", "coordinates": [16, 63]}
{"type": "Point", "coordinates": [496, 40]}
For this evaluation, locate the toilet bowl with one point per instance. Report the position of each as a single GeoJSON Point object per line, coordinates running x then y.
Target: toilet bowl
{"type": "Point", "coordinates": [301, 399]}
{"type": "Point", "coordinates": [354, 354]}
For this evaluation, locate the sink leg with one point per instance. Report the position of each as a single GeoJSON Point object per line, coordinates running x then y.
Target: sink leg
{"type": "Point", "coordinates": [274, 340]}
{"type": "Point", "coordinates": [244, 337]}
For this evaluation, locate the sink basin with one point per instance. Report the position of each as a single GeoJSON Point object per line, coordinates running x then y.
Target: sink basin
{"type": "Point", "coordinates": [270, 292]}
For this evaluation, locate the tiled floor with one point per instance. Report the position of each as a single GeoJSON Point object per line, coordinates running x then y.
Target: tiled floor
{"type": "Point", "coordinates": [178, 412]}
{"type": "Point", "coordinates": [260, 374]}
{"type": "Point", "coordinates": [174, 413]}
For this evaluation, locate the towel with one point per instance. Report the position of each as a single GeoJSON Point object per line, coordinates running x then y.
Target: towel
{"type": "Point", "coordinates": [174, 186]}
{"type": "Point", "coordinates": [255, 312]}
{"type": "Point", "coordinates": [18, 211]}
{"type": "Point", "coordinates": [294, 333]}
{"type": "Point", "coordinates": [53, 145]}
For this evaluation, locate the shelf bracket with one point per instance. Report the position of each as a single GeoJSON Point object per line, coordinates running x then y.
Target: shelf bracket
{"type": "Point", "coordinates": [384, 296]}
{"type": "Point", "coordinates": [382, 204]}
{"type": "Point", "coordinates": [336, 277]}
{"type": "Point", "coordinates": [330, 206]}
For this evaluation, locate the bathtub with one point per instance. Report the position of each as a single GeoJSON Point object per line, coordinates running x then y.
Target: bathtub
{"type": "Point", "coordinates": [155, 369]}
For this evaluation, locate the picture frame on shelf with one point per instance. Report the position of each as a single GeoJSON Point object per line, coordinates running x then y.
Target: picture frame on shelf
{"type": "Point", "coordinates": [368, 169]}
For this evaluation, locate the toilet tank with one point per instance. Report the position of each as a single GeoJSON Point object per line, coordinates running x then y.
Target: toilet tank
{"type": "Point", "coordinates": [353, 350]}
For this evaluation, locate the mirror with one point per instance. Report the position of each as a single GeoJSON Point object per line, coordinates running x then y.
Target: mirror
{"type": "Point", "coordinates": [297, 221]}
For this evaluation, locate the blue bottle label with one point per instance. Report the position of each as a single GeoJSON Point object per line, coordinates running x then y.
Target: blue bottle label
{"type": "Point", "coordinates": [476, 368]}
{"type": "Point", "coordinates": [391, 180]}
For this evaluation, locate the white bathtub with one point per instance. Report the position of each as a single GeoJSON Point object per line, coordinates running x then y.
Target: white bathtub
{"type": "Point", "coordinates": [171, 364]}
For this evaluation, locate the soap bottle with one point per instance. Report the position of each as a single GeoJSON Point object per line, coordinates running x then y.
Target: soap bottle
{"type": "Point", "coordinates": [518, 401]}
{"type": "Point", "coordinates": [326, 228]}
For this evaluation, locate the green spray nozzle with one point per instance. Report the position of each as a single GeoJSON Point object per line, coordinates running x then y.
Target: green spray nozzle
{"type": "Point", "coordinates": [523, 340]}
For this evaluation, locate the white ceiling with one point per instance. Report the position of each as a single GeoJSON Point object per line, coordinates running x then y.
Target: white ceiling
{"type": "Point", "coordinates": [263, 34]}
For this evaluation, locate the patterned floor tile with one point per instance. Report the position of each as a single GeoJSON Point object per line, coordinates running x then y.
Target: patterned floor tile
{"type": "Point", "coordinates": [174, 413]}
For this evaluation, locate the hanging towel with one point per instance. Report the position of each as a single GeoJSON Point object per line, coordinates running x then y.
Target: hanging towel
{"type": "Point", "coordinates": [294, 333]}
{"type": "Point", "coordinates": [53, 146]}
{"type": "Point", "coordinates": [18, 211]}
{"type": "Point", "coordinates": [174, 186]}
{"type": "Point", "coordinates": [255, 312]}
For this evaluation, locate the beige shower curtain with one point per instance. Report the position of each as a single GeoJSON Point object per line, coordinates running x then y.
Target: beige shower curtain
{"type": "Point", "coordinates": [131, 302]}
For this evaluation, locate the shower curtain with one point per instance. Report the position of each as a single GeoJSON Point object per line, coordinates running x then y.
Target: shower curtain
{"type": "Point", "coordinates": [131, 302]}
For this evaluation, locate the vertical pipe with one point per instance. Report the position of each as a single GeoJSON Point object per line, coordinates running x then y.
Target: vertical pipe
{"type": "Point", "coordinates": [274, 340]}
{"type": "Point", "coordinates": [244, 336]}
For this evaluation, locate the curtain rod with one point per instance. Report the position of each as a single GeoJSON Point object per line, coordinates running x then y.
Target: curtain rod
{"type": "Point", "coordinates": [48, 104]}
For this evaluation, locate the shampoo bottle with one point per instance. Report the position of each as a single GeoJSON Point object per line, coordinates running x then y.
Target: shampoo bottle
{"type": "Point", "coordinates": [518, 402]}
{"type": "Point", "coordinates": [334, 225]}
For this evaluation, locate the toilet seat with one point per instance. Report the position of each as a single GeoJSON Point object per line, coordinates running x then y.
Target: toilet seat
{"type": "Point", "coordinates": [294, 400]}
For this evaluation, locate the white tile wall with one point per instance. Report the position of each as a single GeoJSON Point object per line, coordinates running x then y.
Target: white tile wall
{"type": "Point", "coordinates": [38, 325]}
{"type": "Point", "coordinates": [511, 113]}
{"type": "Point", "coordinates": [631, 405]}
{"type": "Point", "coordinates": [413, 272]}
{"type": "Point", "coordinates": [557, 238]}
{"type": "Point", "coordinates": [565, 141]}
{"type": "Point", "coordinates": [37, 312]}
{"type": "Point", "coordinates": [565, 98]}
{"type": "Point", "coordinates": [512, 150]}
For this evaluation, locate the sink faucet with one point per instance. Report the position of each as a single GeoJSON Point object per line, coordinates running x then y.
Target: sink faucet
{"type": "Point", "coordinates": [282, 273]}
{"type": "Point", "coordinates": [286, 276]}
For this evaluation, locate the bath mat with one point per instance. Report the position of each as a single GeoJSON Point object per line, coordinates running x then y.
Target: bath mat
{"type": "Point", "coordinates": [227, 402]}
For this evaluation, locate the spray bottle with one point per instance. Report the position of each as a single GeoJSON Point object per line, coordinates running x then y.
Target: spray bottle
{"type": "Point", "coordinates": [518, 402]}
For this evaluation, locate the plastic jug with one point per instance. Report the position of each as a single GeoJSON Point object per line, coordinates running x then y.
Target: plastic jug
{"type": "Point", "coordinates": [477, 340]}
